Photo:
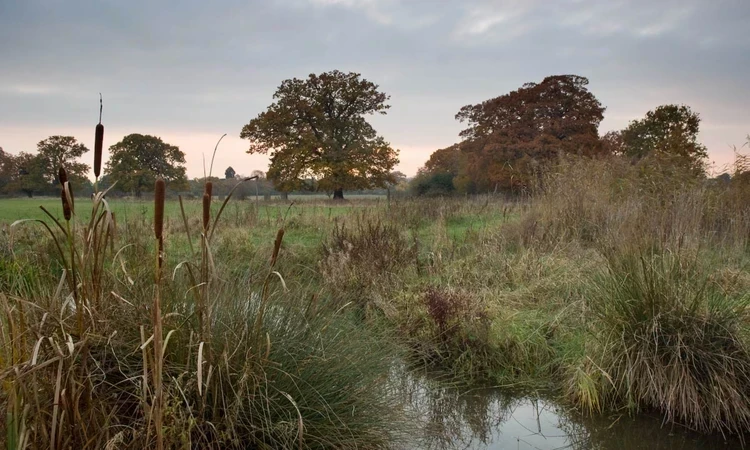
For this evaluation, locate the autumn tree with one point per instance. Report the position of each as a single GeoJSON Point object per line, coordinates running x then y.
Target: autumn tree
{"type": "Point", "coordinates": [229, 173]}
{"type": "Point", "coordinates": [669, 132]}
{"type": "Point", "coordinates": [512, 137]}
{"type": "Point", "coordinates": [62, 151]}
{"type": "Point", "coordinates": [138, 160]}
{"type": "Point", "coordinates": [26, 174]}
{"type": "Point", "coordinates": [317, 129]}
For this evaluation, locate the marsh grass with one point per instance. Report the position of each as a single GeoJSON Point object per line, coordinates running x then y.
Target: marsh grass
{"type": "Point", "coordinates": [108, 351]}
{"type": "Point", "coordinates": [668, 337]}
{"type": "Point", "coordinates": [613, 287]}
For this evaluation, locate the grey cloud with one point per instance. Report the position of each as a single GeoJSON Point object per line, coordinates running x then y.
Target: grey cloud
{"type": "Point", "coordinates": [210, 67]}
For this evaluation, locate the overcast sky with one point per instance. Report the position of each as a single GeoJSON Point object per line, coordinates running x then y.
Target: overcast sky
{"type": "Point", "coordinates": [190, 71]}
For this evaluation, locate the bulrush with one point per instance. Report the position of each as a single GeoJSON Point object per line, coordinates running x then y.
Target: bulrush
{"type": "Point", "coordinates": [67, 198]}
{"type": "Point", "coordinates": [98, 143]}
{"type": "Point", "coordinates": [160, 189]}
{"type": "Point", "coordinates": [209, 188]}
{"type": "Point", "coordinates": [206, 209]}
{"type": "Point", "coordinates": [62, 175]}
{"type": "Point", "coordinates": [158, 405]}
{"type": "Point", "coordinates": [65, 204]}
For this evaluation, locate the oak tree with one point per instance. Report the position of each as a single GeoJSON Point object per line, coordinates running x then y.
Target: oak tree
{"type": "Point", "coordinates": [669, 132]}
{"type": "Point", "coordinates": [138, 160]}
{"type": "Point", "coordinates": [445, 160]}
{"type": "Point", "coordinates": [513, 137]}
{"type": "Point", "coordinates": [62, 151]}
{"type": "Point", "coordinates": [316, 129]}
{"type": "Point", "coordinates": [25, 173]}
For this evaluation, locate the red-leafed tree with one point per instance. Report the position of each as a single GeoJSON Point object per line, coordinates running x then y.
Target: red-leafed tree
{"type": "Point", "coordinates": [512, 137]}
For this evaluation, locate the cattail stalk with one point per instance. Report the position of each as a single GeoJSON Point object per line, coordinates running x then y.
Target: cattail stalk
{"type": "Point", "coordinates": [202, 319]}
{"type": "Point", "coordinates": [206, 211]}
{"type": "Point", "coordinates": [67, 198]}
{"type": "Point", "coordinates": [65, 205]}
{"type": "Point", "coordinates": [159, 197]}
{"type": "Point", "coordinates": [98, 143]}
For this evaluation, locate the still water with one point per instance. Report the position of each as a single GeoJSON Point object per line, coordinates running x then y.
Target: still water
{"type": "Point", "coordinates": [452, 418]}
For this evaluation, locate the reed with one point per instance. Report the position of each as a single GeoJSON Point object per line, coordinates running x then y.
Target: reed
{"type": "Point", "coordinates": [98, 145]}
{"type": "Point", "coordinates": [158, 363]}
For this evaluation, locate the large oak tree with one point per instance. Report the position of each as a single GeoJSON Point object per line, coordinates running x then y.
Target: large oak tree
{"type": "Point", "coordinates": [138, 160]}
{"type": "Point", "coordinates": [317, 129]}
{"type": "Point", "coordinates": [512, 137]}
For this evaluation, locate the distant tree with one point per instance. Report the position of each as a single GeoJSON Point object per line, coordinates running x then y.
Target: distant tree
{"type": "Point", "coordinates": [7, 167]}
{"type": "Point", "coordinates": [258, 173]}
{"type": "Point", "coordinates": [445, 160]}
{"type": "Point", "coordinates": [229, 173]}
{"type": "Point", "coordinates": [398, 177]}
{"type": "Point", "coordinates": [433, 184]}
{"type": "Point", "coordinates": [511, 138]}
{"type": "Point", "coordinates": [26, 174]}
{"type": "Point", "coordinates": [316, 129]}
{"type": "Point", "coordinates": [62, 151]}
{"type": "Point", "coordinates": [137, 160]}
{"type": "Point", "coordinates": [668, 132]}
{"type": "Point", "coordinates": [612, 143]}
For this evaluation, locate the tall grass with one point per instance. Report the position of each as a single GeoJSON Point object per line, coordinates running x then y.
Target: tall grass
{"type": "Point", "coordinates": [186, 353]}
{"type": "Point", "coordinates": [667, 328]}
{"type": "Point", "coordinates": [668, 337]}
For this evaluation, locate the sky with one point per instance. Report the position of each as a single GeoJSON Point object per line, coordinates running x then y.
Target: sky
{"type": "Point", "coordinates": [191, 71]}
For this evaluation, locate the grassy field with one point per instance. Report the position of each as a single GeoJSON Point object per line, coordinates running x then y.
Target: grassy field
{"type": "Point", "coordinates": [605, 290]}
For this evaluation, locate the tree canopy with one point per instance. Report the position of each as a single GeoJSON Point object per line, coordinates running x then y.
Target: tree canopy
{"type": "Point", "coordinates": [316, 129]}
{"type": "Point", "coordinates": [138, 160]}
{"type": "Point", "coordinates": [25, 173]}
{"type": "Point", "coordinates": [511, 137]}
{"type": "Point", "coordinates": [669, 131]}
{"type": "Point", "coordinates": [62, 151]}
{"type": "Point", "coordinates": [229, 173]}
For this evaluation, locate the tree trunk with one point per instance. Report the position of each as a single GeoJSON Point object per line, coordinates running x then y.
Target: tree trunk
{"type": "Point", "coordinates": [338, 194]}
{"type": "Point", "coordinates": [285, 195]}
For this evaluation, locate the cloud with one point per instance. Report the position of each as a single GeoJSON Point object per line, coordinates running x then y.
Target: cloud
{"type": "Point", "coordinates": [196, 70]}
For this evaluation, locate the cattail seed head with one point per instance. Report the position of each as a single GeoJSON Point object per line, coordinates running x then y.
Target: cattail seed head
{"type": "Point", "coordinates": [209, 188]}
{"type": "Point", "coordinates": [160, 189]}
{"type": "Point", "coordinates": [62, 175]}
{"type": "Point", "coordinates": [206, 210]}
{"type": "Point", "coordinates": [277, 246]}
{"type": "Point", "coordinates": [98, 142]}
{"type": "Point", "coordinates": [65, 204]}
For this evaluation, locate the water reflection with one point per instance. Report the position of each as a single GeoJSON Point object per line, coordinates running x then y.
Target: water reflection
{"type": "Point", "coordinates": [452, 418]}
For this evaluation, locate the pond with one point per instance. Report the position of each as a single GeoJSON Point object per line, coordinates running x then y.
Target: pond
{"type": "Point", "coordinates": [491, 418]}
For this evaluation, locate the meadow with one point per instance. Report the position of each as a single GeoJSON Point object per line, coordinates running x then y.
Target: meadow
{"type": "Point", "coordinates": [604, 288]}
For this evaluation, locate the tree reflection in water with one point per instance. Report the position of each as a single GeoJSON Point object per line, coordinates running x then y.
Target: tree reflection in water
{"type": "Point", "coordinates": [454, 418]}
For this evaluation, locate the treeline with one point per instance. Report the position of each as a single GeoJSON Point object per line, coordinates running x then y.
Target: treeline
{"type": "Point", "coordinates": [135, 163]}
{"type": "Point", "coordinates": [511, 141]}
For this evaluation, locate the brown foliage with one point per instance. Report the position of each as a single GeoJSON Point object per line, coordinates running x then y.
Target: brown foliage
{"type": "Point", "coordinates": [510, 138]}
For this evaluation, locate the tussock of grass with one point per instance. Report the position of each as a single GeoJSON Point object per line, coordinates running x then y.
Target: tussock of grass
{"type": "Point", "coordinates": [666, 337]}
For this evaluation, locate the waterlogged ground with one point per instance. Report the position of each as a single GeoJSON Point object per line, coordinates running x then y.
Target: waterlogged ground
{"type": "Point", "coordinates": [489, 418]}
